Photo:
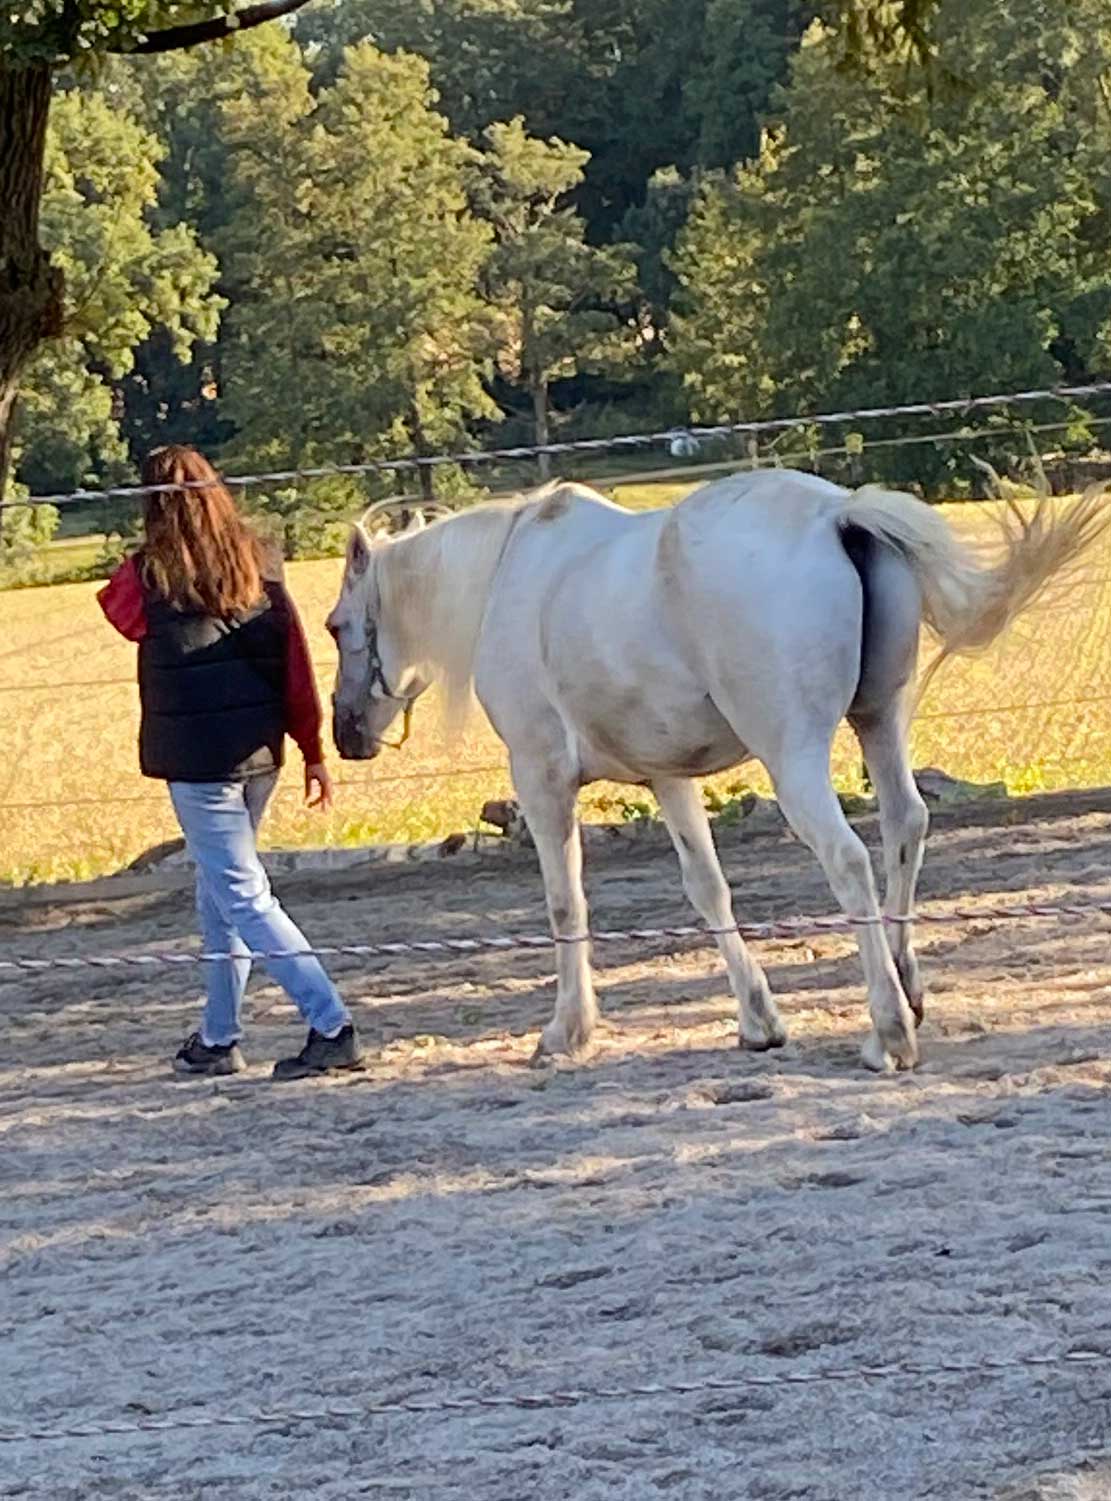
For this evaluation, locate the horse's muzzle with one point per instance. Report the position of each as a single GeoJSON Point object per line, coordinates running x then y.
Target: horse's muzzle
{"type": "Point", "coordinates": [353, 740]}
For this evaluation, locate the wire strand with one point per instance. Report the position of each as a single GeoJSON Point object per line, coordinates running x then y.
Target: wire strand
{"type": "Point", "coordinates": [471, 457]}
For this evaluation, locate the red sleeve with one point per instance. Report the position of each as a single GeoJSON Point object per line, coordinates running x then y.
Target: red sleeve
{"type": "Point", "coordinates": [121, 599]}
{"type": "Point", "coordinates": [302, 702]}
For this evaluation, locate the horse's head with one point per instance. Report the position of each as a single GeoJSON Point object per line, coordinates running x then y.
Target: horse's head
{"type": "Point", "coordinates": [376, 679]}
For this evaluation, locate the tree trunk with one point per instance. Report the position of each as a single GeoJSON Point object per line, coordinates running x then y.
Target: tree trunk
{"type": "Point", "coordinates": [541, 426]}
{"type": "Point", "coordinates": [425, 475]}
{"type": "Point", "coordinates": [7, 432]}
{"type": "Point", "coordinates": [31, 289]}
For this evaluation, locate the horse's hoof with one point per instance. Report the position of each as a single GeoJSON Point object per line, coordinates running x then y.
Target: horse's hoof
{"type": "Point", "coordinates": [890, 1059]}
{"type": "Point", "coordinates": [762, 1044]}
{"type": "Point", "coordinates": [556, 1041]}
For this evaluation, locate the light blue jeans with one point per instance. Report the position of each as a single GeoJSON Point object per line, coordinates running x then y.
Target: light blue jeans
{"type": "Point", "coordinates": [238, 911]}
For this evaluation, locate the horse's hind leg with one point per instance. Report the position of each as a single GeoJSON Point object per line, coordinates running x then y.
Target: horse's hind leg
{"type": "Point", "coordinates": [547, 800]}
{"type": "Point", "coordinates": [903, 825]}
{"type": "Point", "coordinates": [705, 885]}
{"type": "Point", "coordinates": [810, 805]}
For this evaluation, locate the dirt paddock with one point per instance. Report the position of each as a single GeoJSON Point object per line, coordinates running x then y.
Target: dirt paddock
{"type": "Point", "coordinates": [452, 1222]}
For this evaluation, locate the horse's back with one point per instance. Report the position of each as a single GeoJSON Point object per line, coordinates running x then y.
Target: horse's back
{"type": "Point", "coordinates": [766, 543]}
{"type": "Point", "coordinates": [775, 505]}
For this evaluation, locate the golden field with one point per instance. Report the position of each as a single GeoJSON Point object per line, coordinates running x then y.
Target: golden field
{"type": "Point", "coordinates": [1034, 713]}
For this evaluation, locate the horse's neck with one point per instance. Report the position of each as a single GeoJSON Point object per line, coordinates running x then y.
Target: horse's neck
{"type": "Point", "coordinates": [438, 582]}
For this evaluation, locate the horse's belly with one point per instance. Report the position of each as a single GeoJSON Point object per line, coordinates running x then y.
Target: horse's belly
{"type": "Point", "coordinates": [634, 746]}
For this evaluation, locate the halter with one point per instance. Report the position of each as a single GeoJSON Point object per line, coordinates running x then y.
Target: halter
{"type": "Point", "coordinates": [376, 678]}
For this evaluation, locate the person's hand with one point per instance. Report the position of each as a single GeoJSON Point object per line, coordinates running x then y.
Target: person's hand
{"type": "Point", "coordinates": [318, 787]}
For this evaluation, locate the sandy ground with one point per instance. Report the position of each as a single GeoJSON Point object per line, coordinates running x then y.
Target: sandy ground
{"type": "Point", "coordinates": [452, 1222]}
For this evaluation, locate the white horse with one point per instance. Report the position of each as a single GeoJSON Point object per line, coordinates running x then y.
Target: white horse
{"type": "Point", "coordinates": [655, 648]}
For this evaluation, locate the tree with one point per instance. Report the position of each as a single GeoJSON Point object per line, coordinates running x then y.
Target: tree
{"type": "Point", "coordinates": [36, 38]}
{"type": "Point", "coordinates": [653, 228]}
{"type": "Point", "coordinates": [744, 53]}
{"type": "Point", "coordinates": [555, 294]}
{"type": "Point", "coordinates": [891, 27]}
{"type": "Point", "coordinates": [638, 84]}
{"type": "Point", "coordinates": [181, 101]}
{"type": "Point", "coordinates": [123, 280]}
{"type": "Point", "coordinates": [481, 53]}
{"type": "Point", "coordinates": [358, 322]}
{"type": "Point", "coordinates": [894, 241]}
{"type": "Point", "coordinates": [612, 79]}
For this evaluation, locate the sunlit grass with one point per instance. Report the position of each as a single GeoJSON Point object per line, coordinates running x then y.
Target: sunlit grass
{"type": "Point", "coordinates": [1033, 713]}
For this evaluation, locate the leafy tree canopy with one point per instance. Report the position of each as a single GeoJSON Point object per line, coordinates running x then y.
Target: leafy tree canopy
{"type": "Point", "coordinates": [893, 241]}
{"type": "Point", "coordinates": [55, 31]}
{"type": "Point", "coordinates": [124, 280]}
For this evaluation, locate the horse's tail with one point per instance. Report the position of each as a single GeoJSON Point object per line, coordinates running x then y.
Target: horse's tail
{"type": "Point", "coordinates": [971, 590]}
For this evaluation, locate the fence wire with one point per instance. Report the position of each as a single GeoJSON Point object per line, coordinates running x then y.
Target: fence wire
{"type": "Point", "coordinates": [783, 928]}
{"type": "Point", "coordinates": [339, 1413]}
{"type": "Point", "coordinates": [470, 458]}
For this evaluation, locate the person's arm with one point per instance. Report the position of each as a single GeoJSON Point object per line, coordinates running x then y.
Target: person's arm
{"type": "Point", "coordinates": [303, 712]}
{"type": "Point", "coordinates": [121, 599]}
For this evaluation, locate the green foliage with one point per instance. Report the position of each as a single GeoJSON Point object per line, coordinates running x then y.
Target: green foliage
{"type": "Point", "coordinates": [67, 421]}
{"type": "Point", "coordinates": [113, 550]}
{"type": "Point", "coordinates": [652, 228]}
{"type": "Point", "coordinates": [730, 805]}
{"type": "Point", "coordinates": [916, 199]}
{"type": "Point", "coordinates": [358, 326]}
{"type": "Point", "coordinates": [892, 28]}
{"type": "Point", "coordinates": [24, 532]}
{"type": "Point", "coordinates": [124, 280]}
{"type": "Point", "coordinates": [307, 520]}
{"type": "Point", "coordinates": [60, 29]}
{"type": "Point", "coordinates": [892, 241]}
{"type": "Point", "coordinates": [639, 85]}
{"type": "Point", "coordinates": [555, 295]}
{"type": "Point", "coordinates": [182, 99]}
{"type": "Point", "coordinates": [628, 809]}
{"type": "Point", "coordinates": [746, 49]}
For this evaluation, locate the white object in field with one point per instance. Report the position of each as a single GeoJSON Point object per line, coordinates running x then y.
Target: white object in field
{"type": "Point", "coordinates": [684, 446]}
{"type": "Point", "coordinates": [666, 645]}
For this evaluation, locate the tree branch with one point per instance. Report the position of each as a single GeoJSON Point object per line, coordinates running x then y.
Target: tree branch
{"type": "Point", "coordinates": [176, 38]}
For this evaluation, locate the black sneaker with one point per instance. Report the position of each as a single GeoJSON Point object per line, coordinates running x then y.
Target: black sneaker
{"type": "Point", "coordinates": [196, 1057]}
{"type": "Point", "coordinates": [322, 1055]}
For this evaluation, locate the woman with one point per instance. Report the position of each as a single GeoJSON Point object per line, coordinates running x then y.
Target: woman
{"type": "Point", "coordinates": [224, 675]}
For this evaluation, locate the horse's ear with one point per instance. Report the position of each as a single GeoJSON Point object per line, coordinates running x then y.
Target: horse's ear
{"type": "Point", "coordinates": [358, 553]}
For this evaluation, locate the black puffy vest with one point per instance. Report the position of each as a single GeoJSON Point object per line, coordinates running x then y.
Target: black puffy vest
{"type": "Point", "coordinates": [213, 692]}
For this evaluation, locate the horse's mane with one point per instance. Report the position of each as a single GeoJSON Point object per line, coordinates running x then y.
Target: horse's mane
{"type": "Point", "coordinates": [436, 583]}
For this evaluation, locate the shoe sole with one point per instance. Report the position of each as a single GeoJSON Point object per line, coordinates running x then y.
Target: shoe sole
{"type": "Point", "coordinates": [355, 1066]}
{"type": "Point", "coordinates": [207, 1070]}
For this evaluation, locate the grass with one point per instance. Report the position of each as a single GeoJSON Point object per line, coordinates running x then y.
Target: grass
{"type": "Point", "coordinates": [1034, 713]}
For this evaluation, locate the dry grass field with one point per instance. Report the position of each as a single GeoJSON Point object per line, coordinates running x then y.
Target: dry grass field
{"type": "Point", "coordinates": [1034, 713]}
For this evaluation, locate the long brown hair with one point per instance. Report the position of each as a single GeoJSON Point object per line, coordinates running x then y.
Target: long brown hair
{"type": "Point", "coordinates": [199, 553]}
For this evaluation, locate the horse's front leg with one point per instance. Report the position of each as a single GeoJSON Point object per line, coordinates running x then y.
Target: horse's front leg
{"type": "Point", "coordinates": [705, 885]}
{"type": "Point", "coordinates": [547, 799]}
